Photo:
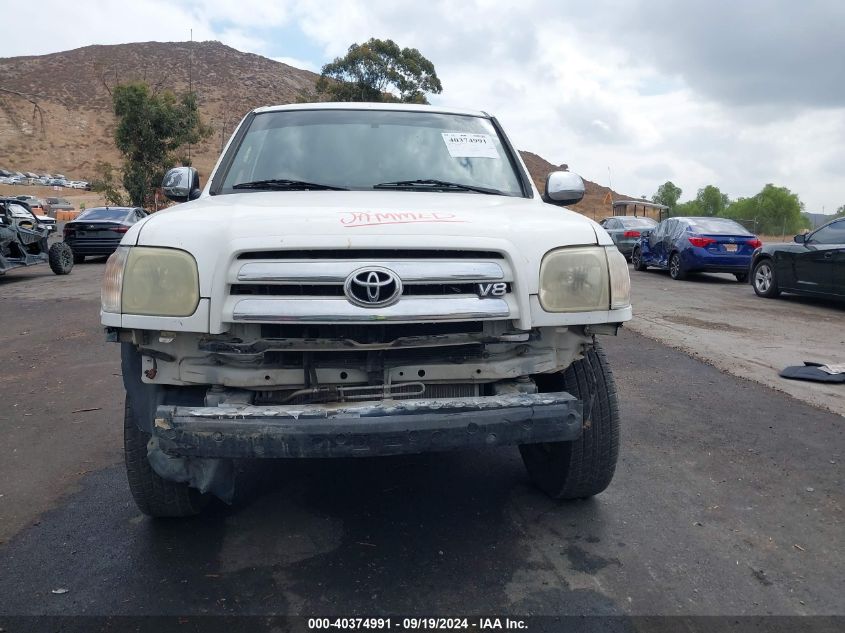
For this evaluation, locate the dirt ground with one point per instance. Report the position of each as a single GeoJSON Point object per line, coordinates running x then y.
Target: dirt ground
{"type": "Point", "coordinates": [723, 322]}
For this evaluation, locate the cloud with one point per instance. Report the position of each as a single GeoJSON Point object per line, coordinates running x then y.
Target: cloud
{"type": "Point", "coordinates": [744, 53]}
{"type": "Point", "coordinates": [725, 93]}
{"type": "Point", "coordinates": [298, 63]}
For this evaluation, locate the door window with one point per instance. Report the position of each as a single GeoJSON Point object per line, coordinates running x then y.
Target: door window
{"type": "Point", "coordinates": [833, 233]}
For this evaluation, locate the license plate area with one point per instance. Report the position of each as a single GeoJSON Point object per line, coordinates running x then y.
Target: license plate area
{"type": "Point", "coordinates": [731, 248]}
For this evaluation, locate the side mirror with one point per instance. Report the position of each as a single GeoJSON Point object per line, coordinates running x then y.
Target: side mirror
{"type": "Point", "coordinates": [800, 238]}
{"type": "Point", "coordinates": [181, 184]}
{"type": "Point", "coordinates": [645, 233]}
{"type": "Point", "coordinates": [563, 188]}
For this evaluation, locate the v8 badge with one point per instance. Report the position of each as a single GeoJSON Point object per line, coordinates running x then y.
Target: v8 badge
{"type": "Point", "coordinates": [499, 289]}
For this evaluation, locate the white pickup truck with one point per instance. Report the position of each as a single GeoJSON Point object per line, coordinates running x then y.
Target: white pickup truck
{"type": "Point", "coordinates": [362, 280]}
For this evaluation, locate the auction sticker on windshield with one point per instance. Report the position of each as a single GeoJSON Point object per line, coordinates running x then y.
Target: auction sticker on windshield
{"type": "Point", "coordinates": [464, 145]}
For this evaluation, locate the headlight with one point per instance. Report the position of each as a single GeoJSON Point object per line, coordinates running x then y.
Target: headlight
{"type": "Point", "coordinates": [620, 279]}
{"type": "Point", "coordinates": [575, 280]}
{"type": "Point", "coordinates": [113, 280]}
{"type": "Point", "coordinates": [151, 281]}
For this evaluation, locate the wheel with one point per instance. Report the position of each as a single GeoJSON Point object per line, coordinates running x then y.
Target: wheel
{"type": "Point", "coordinates": [61, 258]}
{"type": "Point", "coordinates": [154, 495]}
{"type": "Point", "coordinates": [675, 269]}
{"type": "Point", "coordinates": [764, 280]}
{"type": "Point", "coordinates": [637, 259]}
{"type": "Point", "coordinates": [583, 467]}
{"type": "Point", "coordinates": [741, 277]}
{"type": "Point", "coordinates": [78, 259]}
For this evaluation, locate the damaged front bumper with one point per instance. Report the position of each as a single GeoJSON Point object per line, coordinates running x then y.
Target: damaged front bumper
{"type": "Point", "coordinates": [391, 427]}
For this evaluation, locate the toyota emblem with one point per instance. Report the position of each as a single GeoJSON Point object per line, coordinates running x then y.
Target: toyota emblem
{"type": "Point", "coordinates": [373, 287]}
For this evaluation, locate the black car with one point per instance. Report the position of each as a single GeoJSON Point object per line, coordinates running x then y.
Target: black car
{"type": "Point", "coordinates": [813, 264]}
{"type": "Point", "coordinates": [98, 231]}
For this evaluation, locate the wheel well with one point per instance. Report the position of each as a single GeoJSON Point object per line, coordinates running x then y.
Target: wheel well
{"type": "Point", "coordinates": [761, 258]}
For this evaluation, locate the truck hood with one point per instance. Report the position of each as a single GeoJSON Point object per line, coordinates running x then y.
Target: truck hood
{"type": "Point", "coordinates": [215, 228]}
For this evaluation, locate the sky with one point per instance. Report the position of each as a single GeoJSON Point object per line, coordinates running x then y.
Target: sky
{"type": "Point", "coordinates": [631, 93]}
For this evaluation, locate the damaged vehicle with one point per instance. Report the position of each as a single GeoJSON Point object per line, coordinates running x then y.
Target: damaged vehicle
{"type": "Point", "coordinates": [364, 280]}
{"type": "Point", "coordinates": [23, 240]}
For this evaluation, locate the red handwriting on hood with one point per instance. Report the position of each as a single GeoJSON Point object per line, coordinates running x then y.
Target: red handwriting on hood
{"type": "Point", "coordinates": [352, 219]}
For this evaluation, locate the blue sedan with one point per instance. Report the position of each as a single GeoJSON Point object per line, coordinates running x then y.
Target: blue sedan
{"type": "Point", "coordinates": [685, 245]}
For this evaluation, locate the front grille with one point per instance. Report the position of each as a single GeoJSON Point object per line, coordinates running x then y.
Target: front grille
{"type": "Point", "coordinates": [311, 286]}
{"type": "Point", "coordinates": [327, 290]}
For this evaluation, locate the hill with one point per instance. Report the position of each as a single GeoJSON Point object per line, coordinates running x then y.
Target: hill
{"type": "Point", "coordinates": [56, 116]}
{"type": "Point", "coordinates": [817, 219]}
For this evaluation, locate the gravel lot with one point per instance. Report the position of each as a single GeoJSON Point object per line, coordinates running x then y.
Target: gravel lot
{"type": "Point", "coordinates": [723, 322]}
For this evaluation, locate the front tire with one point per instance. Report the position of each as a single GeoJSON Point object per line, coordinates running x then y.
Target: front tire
{"type": "Point", "coordinates": [583, 467]}
{"type": "Point", "coordinates": [676, 271]}
{"type": "Point", "coordinates": [154, 495]}
{"type": "Point", "coordinates": [741, 277]}
{"type": "Point", "coordinates": [61, 258]}
{"type": "Point", "coordinates": [764, 280]}
{"type": "Point", "coordinates": [637, 259]}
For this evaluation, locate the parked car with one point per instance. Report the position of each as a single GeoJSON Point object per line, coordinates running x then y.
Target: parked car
{"type": "Point", "coordinates": [98, 231]}
{"type": "Point", "coordinates": [812, 264]}
{"type": "Point", "coordinates": [59, 204]}
{"type": "Point", "coordinates": [625, 231]}
{"type": "Point", "coordinates": [23, 240]}
{"type": "Point", "coordinates": [685, 245]}
{"type": "Point", "coordinates": [40, 209]}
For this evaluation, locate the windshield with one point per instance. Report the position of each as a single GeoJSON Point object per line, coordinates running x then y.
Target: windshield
{"type": "Point", "coordinates": [112, 215]}
{"type": "Point", "coordinates": [359, 149]}
{"type": "Point", "coordinates": [717, 226]}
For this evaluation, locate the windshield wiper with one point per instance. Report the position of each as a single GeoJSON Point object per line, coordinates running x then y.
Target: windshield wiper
{"type": "Point", "coordinates": [282, 184]}
{"type": "Point", "coordinates": [437, 185]}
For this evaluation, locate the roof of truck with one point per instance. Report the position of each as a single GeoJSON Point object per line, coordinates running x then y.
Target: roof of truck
{"type": "Point", "coordinates": [348, 105]}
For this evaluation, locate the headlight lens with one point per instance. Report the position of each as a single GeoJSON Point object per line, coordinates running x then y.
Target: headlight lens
{"type": "Point", "coordinates": [160, 282]}
{"type": "Point", "coordinates": [113, 280]}
{"type": "Point", "coordinates": [620, 279]}
{"type": "Point", "coordinates": [575, 280]}
{"type": "Point", "coordinates": [150, 281]}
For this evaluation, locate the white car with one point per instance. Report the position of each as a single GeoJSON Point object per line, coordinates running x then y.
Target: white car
{"type": "Point", "coordinates": [364, 279]}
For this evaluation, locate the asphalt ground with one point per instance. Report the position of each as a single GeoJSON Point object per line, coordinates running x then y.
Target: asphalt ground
{"type": "Point", "coordinates": [728, 500]}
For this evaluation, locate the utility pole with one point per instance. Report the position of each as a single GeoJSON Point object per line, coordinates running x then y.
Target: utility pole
{"type": "Point", "coordinates": [190, 79]}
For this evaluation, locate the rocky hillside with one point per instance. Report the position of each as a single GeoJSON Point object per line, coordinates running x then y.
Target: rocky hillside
{"type": "Point", "coordinates": [71, 90]}
{"type": "Point", "coordinates": [56, 117]}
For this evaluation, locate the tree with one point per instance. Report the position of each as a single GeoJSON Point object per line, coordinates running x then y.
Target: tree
{"type": "Point", "coordinates": [840, 212]}
{"type": "Point", "coordinates": [774, 210]}
{"type": "Point", "coordinates": [668, 193]}
{"type": "Point", "coordinates": [106, 184]}
{"type": "Point", "coordinates": [379, 70]}
{"type": "Point", "coordinates": [151, 127]}
{"type": "Point", "coordinates": [711, 201]}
